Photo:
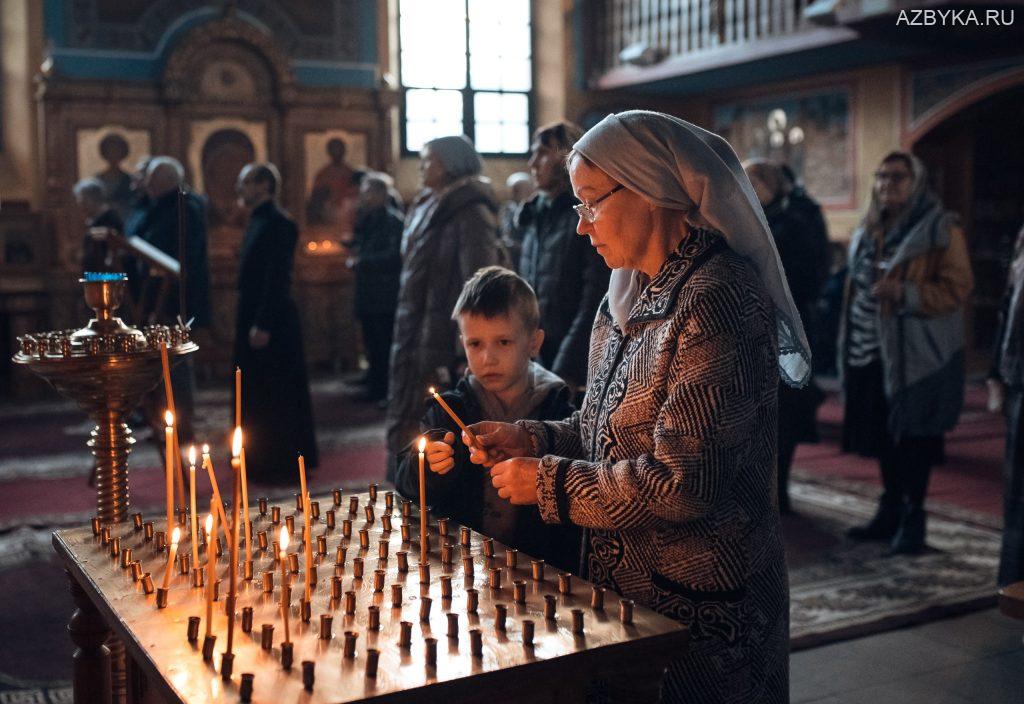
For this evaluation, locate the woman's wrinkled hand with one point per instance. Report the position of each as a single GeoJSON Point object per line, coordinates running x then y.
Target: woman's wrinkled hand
{"type": "Point", "coordinates": [441, 454]}
{"type": "Point", "coordinates": [496, 442]}
{"type": "Point", "coordinates": [516, 480]}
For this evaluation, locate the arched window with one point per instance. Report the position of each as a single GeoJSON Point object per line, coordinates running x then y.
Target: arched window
{"type": "Point", "coordinates": [467, 68]}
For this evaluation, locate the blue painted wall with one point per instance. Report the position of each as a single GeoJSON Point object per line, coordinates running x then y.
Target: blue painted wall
{"type": "Point", "coordinates": [73, 62]}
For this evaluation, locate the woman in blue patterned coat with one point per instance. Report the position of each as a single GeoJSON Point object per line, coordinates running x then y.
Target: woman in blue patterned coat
{"type": "Point", "coordinates": [670, 464]}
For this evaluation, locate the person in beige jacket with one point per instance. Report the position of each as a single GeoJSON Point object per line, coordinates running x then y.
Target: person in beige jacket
{"type": "Point", "coordinates": [902, 343]}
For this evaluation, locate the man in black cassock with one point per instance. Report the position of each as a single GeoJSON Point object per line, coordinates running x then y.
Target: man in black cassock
{"type": "Point", "coordinates": [277, 415]}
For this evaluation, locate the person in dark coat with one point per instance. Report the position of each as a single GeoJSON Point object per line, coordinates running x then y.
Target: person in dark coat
{"type": "Point", "coordinates": [802, 242]}
{"type": "Point", "coordinates": [165, 176]}
{"type": "Point", "coordinates": [377, 262]}
{"type": "Point", "coordinates": [451, 231]}
{"type": "Point", "coordinates": [566, 272]}
{"type": "Point", "coordinates": [498, 316]}
{"type": "Point", "coordinates": [100, 217]}
{"type": "Point", "coordinates": [1006, 394]}
{"type": "Point", "coordinates": [277, 414]}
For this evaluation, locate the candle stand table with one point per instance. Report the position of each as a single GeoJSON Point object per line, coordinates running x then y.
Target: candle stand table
{"type": "Point", "coordinates": [478, 622]}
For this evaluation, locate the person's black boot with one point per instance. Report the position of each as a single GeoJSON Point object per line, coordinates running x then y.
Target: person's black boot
{"type": "Point", "coordinates": [882, 527]}
{"type": "Point", "coordinates": [909, 538]}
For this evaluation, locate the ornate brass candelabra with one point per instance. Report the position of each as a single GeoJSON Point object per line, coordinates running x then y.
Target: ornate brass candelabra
{"type": "Point", "coordinates": [106, 367]}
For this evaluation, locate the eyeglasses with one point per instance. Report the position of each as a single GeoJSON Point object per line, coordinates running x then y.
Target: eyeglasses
{"type": "Point", "coordinates": [894, 176]}
{"type": "Point", "coordinates": [586, 210]}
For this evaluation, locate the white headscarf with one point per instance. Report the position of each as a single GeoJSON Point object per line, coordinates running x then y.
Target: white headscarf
{"type": "Point", "coordinates": [680, 166]}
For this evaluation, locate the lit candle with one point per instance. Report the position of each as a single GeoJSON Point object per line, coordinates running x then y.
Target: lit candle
{"type": "Point", "coordinates": [238, 450]}
{"type": "Point", "coordinates": [458, 421]}
{"type": "Point", "coordinates": [192, 503]}
{"type": "Point", "coordinates": [217, 501]}
{"type": "Point", "coordinates": [169, 460]}
{"type": "Point", "coordinates": [423, 503]}
{"type": "Point", "coordinates": [284, 582]}
{"type": "Point", "coordinates": [238, 397]}
{"type": "Point", "coordinates": [169, 394]}
{"type": "Point", "coordinates": [211, 564]}
{"type": "Point", "coordinates": [233, 567]}
{"type": "Point", "coordinates": [308, 531]}
{"type": "Point", "coordinates": [171, 553]}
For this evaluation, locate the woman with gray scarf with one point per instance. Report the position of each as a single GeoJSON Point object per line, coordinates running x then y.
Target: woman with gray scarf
{"type": "Point", "coordinates": [1006, 394]}
{"type": "Point", "coordinates": [670, 464]}
{"type": "Point", "coordinates": [450, 232]}
{"type": "Point", "coordinates": [902, 344]}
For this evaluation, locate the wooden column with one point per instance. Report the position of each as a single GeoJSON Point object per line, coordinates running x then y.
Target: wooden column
{"type": "Point", "coordinates": [88, 630]}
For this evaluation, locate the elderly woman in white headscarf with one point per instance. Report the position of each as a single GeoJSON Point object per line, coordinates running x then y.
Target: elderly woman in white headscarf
{"type": "Point", "coordinates": [670, 464]}
{"type": "Point", "coordinates": [450, 232]}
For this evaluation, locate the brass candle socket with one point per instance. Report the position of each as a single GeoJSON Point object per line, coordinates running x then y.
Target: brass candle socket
{"type": "Point", "coordinates": [500, 614]}
{"type": "Point", "coordinates": [308, 675]}
{"type": "Point", "coordinates": [372, 657]}
{"type": "Point", "coordinates": [227, 664]}
{"type": "Point", "coordinates": [405, 634]}
{"type": "Point", "coordinates": [373, 617]}
{"type": "Point", "coordinates": [245, 687]}
{"type": "Point", "coordinates": [161, 598]}
{"type": "Point", "coordinates": [267, 636]}
{"type": "Point", "coordinates": [476, 642]}
{"type": "Point", "coordinates": [349, 646]}
{"type": "Point", "coordinates": [193, 629]}
{"type": "Point", "coordinates": [208, 643]}
{"type": "Point", "coordinates": [287, 655]}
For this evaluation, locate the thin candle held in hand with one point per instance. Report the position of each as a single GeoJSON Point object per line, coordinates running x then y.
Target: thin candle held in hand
{"type": "Point", "coordinates": [169, 464]}
{"type": "Point", "coordinates": [171, 553]}
{"type": "Point", "coordinates": [284, 582]}
{"type": "Point", "coordinates": [458, 421]}
{"type": "Point", "coordinates": [192, 504]}
{"type": "Point", "coordinates": [423, 502]}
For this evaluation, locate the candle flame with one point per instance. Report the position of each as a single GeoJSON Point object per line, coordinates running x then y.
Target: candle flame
{"type": "Point", "coordinates": [209, 525]}
{"type": "Point", "coordinates": [284, 539]}
{"type": "Point", "coordinates": [192, 455]}
{"type": "Point", "coordinates": [168, 418]}
{"type": "Point", "coordinates": [422, 444]}
{"type": "Point", "coordinates": [432, 391]}
{"type": "Point", "coordinates": [175, 536]}
{"type": "Point", "coordinates": [236, 442]}
{"type": "Point", "coordinates": [206, 449]}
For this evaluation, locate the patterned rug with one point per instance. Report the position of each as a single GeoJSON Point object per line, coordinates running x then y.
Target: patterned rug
{"type": "Point", "coordinates": [840, 589]}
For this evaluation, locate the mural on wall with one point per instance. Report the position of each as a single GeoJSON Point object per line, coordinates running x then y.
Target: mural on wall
{"type": "Point", "coordinates": [333, 166]}
{"type": "Point", "coordinates": [809, 131]}
{"type": "Point", "coordinates": [217, 151]}
{"type": "Point", "coordinates": [110, 153]}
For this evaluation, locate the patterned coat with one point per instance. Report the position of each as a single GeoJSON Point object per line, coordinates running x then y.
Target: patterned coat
{"type": "Point", "coordinates": [670, 464]}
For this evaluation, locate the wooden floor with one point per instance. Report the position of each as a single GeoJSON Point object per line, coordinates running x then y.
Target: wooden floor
{"type": "Point", "coordinates": [974, 659]}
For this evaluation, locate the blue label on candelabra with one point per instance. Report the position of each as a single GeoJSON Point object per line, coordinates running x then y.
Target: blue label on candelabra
{"type": "Point", "coordinates": [104, 276]}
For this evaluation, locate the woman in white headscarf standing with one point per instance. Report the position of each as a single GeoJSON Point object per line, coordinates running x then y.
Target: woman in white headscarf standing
{"type": "Point", "coordinates": [670, 463]}
{"type": "Point", "coordinates": [450, 232]}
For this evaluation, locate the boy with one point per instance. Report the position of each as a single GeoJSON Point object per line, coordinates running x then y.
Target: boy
{"type": "Point", "coordinates": [499, 320]}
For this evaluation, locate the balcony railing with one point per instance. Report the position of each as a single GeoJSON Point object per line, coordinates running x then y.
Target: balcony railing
{"type": "Point", "coordinates": [675, 28]}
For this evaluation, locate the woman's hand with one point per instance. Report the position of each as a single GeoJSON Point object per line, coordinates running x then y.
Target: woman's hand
{"type": "Point", "coordinates": [496, 442]}
{"type": "Point", "coordinates": [441, 454]}
{"type": "Point", "coordinates": [516, 480]}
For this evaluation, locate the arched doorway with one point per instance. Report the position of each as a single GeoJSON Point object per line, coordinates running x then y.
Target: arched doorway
{"type": "Point", "coordinates": [976, 160]}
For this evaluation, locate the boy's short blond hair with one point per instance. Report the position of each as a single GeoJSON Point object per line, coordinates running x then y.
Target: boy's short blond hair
{"type": "Point", "coordinates": [494, 291]}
